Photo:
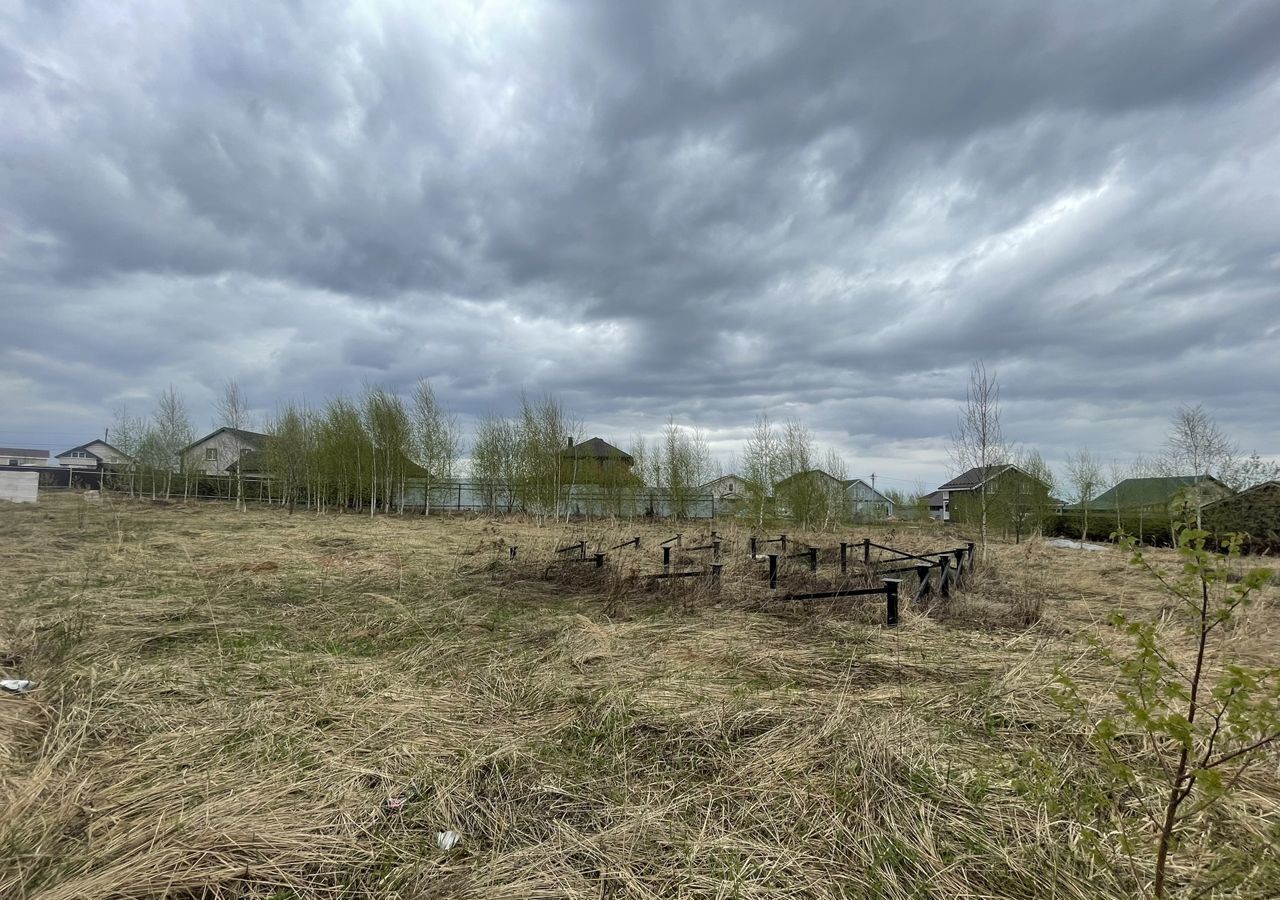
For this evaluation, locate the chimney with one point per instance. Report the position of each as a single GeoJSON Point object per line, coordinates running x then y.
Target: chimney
{"type": "Point", "coordinates": [568, 442]}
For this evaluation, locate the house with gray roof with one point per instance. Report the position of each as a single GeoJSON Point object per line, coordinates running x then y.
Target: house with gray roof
{"type": "Point", "coordinates": [22, 456]}
{"type": "Point", "coordinates": [92, 455]}
{"type": "Point", "coordinates": [1017, 490]}
{"type": "Point", "coordinates": [219, 450]}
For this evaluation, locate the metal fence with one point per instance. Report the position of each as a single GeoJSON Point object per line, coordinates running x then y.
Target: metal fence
{"type": "Point", "coordinates": [579, 500]}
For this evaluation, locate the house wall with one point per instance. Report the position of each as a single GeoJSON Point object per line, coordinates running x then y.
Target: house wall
{"type": "Point", "coordinates": [1016, 502]}
{"type": "Point", "coordinates": [88, 461]}
{"type": "Point", "coordinates": [229, 448]}
{"type": "Point", "coordinates": [17, 486]}
{"type": "Point", "coordinates": [106, 453]}
{"type": "Point", "coordinates": [14, 459]}
{"type": "Point", "coordinates": [595, 470]}
{"type": "Point", "coordinates": [730, 484]}
{"type": "Point", "coordinates": [97, 450]}
{"type": "Point", "coordinates": [866, 503]}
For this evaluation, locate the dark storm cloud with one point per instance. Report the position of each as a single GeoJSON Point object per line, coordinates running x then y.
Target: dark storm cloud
{"type": "Point", "coordinates": [825, 210]}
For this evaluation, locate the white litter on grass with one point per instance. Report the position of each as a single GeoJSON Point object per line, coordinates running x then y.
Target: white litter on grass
{"type": "Point", "coordinates": [17, 685]}
{"type": "Point", "coordinates": [447, 840]}
{"type": "Point", "coordinates": [1065, 544]}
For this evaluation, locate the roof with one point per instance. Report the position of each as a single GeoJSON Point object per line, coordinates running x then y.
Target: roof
{"type": "Point", "coordinates": [852, 481]}
{"type": "Point", "coordinates": [1260, 488]}
{"type": "Point", "coordinates": [810, 473]}
{"type": "Point", "coordinates": [595, 448]}
{"type": "Point", "coordinates": [254, 439]}
{"type": "Point", "coordinates": [967, 481]}
{"type": "Point", "coordinates": [19, 451]}
{"type": "Point", "coordinates": [85, 447]}
{"type": "Point", "coordinates": [715, 481]}
{"type": "Point", "coordinates": [1134, 492]}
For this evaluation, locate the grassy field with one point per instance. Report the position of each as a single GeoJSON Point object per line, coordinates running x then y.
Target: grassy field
{"type": "Point", "coordinates": [259, 705]}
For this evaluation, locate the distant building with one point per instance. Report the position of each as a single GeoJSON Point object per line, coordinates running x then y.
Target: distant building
{"type": "Point", "coordinates": [865, 502]}
{"type": "Point", "coordinates": [92, 455]}
{"type": "Point", "coordinates": [595, 461]}
{"type": "Point", "coordinates": [217, 452]}
{"type": "Point", "coordinates": [725, 489]}
{"type": "Point", "coordinates": [1012, 495]}
{"type": "Point", "coordinates": [19, 456]}
{"type": "Point", "coordinates": [814, 491]}
{"type": "Point", "coordinates": [1172, 494]}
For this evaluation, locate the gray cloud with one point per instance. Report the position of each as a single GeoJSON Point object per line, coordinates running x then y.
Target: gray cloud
{"type": "Point", "coordinates": [649, 208]}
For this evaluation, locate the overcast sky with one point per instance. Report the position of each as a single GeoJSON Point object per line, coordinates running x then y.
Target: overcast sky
{"type": "Point", "coordinates": [651, 209]}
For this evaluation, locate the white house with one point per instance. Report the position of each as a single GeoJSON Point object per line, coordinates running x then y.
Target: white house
{"type": "Point", "coordinates": [18, 456]}
{"type": "Point", "coordinates": [217, 451]}
{"type": "Point", "coordinates": [725, 488]}
{"type": "Point", "coordinates": [92, 455]}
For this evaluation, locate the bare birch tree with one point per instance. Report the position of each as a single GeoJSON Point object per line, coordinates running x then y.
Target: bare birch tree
{"type": "Point", "coordinates": [173, 432]}
{"type": "Point", "coordinates": [435, 439]}
{"type": "Point", "coordinates": [494, 454]}
{"type": "Point", "coordinates": [545, 429]}
{"type": "Point", "coordinates": [978, 441]}
{"type": "Point", "coordinates": [1084, 474]}
{"type": "Point", "coordinates": [1194, 441]}
{"type": "Point", "coordinates": [231, 409]}
{"type": "Point", "coordinates": [686, 464]}
{"type": "Point", "coordinates": [387, 423]}
{"type": "Point", "coordinates": [760, 459]}
{"type": "Point", "coordinates": [288, 454]}
{"type": "Point", "coordinates": [129, 433]}
{"type": "Point", "coordinates": [835, 502]}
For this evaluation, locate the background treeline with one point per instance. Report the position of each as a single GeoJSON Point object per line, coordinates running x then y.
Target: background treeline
{"type": "Point", "coordinates": [380, 451]}
{"type": "Point", "coordinates": [383, 451]}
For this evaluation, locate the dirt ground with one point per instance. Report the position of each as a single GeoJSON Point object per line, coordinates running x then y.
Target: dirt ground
{"type": "Point", "coordinates": [256, 704]}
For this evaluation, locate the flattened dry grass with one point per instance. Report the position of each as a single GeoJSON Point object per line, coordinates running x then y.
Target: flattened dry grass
{"type": "Point", "coordinates": [261, 705]}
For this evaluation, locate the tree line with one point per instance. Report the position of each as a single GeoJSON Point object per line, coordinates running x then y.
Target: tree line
{"type": "Point", "coordinates": [381, 451]}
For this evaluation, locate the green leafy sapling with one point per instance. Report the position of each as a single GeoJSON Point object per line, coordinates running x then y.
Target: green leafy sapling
{"type": "Point", "coordinates": [1189, 720]}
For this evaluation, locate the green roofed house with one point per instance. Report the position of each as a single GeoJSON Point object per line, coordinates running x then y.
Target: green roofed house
{"type": "Point", "coordinates": [1148, 507]}
{"type": "Point", "coordinates": [1171, 493]}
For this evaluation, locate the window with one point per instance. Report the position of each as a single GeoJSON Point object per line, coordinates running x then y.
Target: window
{"type": "Point", "coordinates": [13, 462]}
{"type": "Point", "coordinates": [210, 454]}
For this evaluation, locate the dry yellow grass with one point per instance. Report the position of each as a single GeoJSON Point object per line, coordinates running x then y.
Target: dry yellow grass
{"type": "Point", "coordinates": [261, 705]}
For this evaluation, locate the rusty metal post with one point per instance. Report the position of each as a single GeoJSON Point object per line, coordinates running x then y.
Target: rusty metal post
{"type": "Point", "coordinates": [715, 573]}
{"type": "Point", "coordinates": [783, 540]}
{"type": "Point", "coordinates": [866, 550]}
{"type": "Point", "coordinates": [666, 559]}
{"type": "Point", "coordinates": [715, 550]}
{"type": "Point", "coordinates": [599, 560]}
{"type": "Point", "coordinates": [753, 546]}
{"type": "Point", "coordinates": [773, 571]}
{"type": "Point", "coordinates": [813, 559]}
{"type": "Point", "coordinates": [844, 557]}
